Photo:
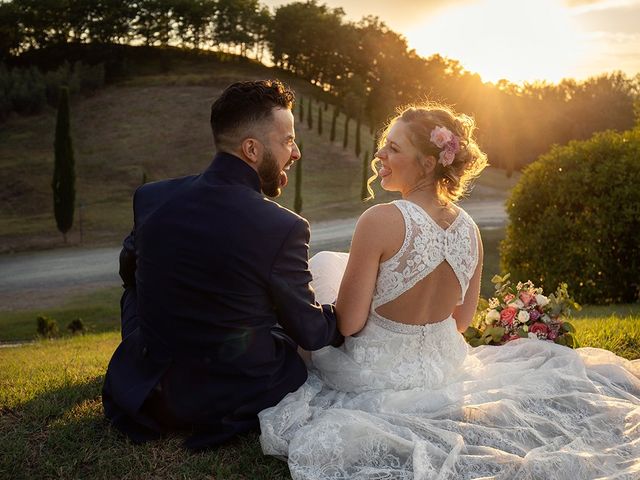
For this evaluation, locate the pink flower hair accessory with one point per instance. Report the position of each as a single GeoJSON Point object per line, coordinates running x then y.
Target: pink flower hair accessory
{"type": "Point", "coordinates": [443, 138]}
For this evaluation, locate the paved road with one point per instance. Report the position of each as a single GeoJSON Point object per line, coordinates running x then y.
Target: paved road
{"type": "Point", "coordinates": [41, 279]}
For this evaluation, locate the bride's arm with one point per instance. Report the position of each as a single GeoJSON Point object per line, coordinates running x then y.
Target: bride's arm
{"type": "Point", "coordinates": [463, 314]}
{"type": "Point", "coordinates": [359, 280]}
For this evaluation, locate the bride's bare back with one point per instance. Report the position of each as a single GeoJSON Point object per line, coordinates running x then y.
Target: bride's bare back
{"type": "Point", "coordinates": [407, 246]}
{"type": "Point", "coordinates": [434, 297]}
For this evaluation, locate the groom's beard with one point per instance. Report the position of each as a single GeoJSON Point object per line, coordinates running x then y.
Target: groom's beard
{"type": "Point", "coordinates": [270, 175]}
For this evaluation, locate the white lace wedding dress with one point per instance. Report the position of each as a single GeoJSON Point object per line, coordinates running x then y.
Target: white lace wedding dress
{"type": "Point", "coordinates": [401, 401]}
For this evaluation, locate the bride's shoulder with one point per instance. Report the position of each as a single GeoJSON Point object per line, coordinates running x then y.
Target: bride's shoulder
{"type": "Point", "coordinates": [381, 218]}
{"type": "Point", "coordinates": [382, 213]}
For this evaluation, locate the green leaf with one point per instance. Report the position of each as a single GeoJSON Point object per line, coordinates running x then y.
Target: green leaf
{"type": "Point", "coordinates": [476, 342]}
{"type": "Point", "coordinates": [496, 279]}
{"type": "Point", "coordinates": [496, 333]}
{"type": "Point", "coordinates": [522, 333]}
{"type": "Point", "coordinates": [570, 339]}
{"type": "Point", "coordinates": [471, 332]}
{"type": "Point", "coordinates": [560, 340]}
{"type": "Point", "coordinates": [567, 327]}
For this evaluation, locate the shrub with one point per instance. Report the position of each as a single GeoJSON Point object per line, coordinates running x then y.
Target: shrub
{"type": "Point", "coordinates": [27, 91]}
{"type": "Point", "coordinates": [76, 326]}
{"type": "Point", "coordinates": [64, 175]}
{"type": "Point", "coordinates": [54, 79]}
{"type": "Point", "coordinates": [5, 84]}
{"type": "Point", "coordinates": [575, 217]}
{"type": "Point", "coordinates": [89, 78]}
{"type": "Point", "coordinates": [47, 327]}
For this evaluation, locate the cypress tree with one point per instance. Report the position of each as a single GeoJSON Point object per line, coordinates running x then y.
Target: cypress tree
{"type": "Point", "coordinates": [301, 110]}
{"type": "Point", "coordinates": [64, 176]}
{"type": "Point", "coordinates": [345, 139]}
{"type": "Point", "coordinates": [364, 193]}
{"type": "Point", "coordinates": [310, 116]}
{"type": "Point", "coordinates": [319, 120]}
{"type": "Point", "coordinates": [336, 112]}
{"type": "Point", "coordinates": [297, 200]}
{"type": "Point", "coordinates": [358, 149]}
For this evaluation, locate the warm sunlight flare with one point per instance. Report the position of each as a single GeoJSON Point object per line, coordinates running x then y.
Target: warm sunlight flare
{"type": "Point", "coordinates": [519, 41]}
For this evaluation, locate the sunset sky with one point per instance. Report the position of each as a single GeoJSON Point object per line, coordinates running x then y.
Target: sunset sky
{"type": "Point", "coordinates": [520, 40]}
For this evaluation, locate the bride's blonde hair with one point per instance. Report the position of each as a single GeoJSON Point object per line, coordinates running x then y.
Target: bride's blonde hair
{"type": "Point", "coordinates": [452, 181]}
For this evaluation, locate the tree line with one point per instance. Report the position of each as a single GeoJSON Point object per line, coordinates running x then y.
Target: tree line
{"type": "Point", "coordinates": [363, 67]}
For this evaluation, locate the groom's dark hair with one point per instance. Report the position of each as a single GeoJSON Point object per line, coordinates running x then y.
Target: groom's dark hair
{"type": "Point", "coordinates": [243, 106]}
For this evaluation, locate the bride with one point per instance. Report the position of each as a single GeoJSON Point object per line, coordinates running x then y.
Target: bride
{"type": "Point", "coordinates": [405, 397]}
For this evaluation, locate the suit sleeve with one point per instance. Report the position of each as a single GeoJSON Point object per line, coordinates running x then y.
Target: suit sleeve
{"type": "Point", "coordinates": [309, 324]}
{"type": "Point", "coordinates": [128, 261]}
{"type": "Point", "coordinates": [127, 270]}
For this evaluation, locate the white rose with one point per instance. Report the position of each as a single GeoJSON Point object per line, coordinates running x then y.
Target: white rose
{"type": "Point", "coordinates": [517, 304]}
{"type": "Point", "coordinates": [533, 336]}
{"type": "Point", "coordinates": [523, 316]}
{"type": "Point", "coordinates": [541, 300]}
{"type": "Point", "coordinates": [493, 315]}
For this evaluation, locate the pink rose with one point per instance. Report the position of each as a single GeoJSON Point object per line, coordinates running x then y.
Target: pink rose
{"type": "Point", "coordinates": [552, 335]}
{"type": "Point", "coordinates": [507, 315]}
{"type": "Point", "coordinates": [447, 158]}
{"type": "Point", "coordinates": [440, 136]}
{"type": "Point", "coordinates": [508, 297]}
{"type": "Point", "coordinates": [539, 327]}
{"type": "Point", "coordinates": [526, 298]}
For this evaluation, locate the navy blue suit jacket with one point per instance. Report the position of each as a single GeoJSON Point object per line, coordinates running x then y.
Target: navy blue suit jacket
{"type": "Point", "coordinates": [209, 270]}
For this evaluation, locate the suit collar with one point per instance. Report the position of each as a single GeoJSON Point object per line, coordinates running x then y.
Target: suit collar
{"type": "Point", "coordinates": [227, 169]}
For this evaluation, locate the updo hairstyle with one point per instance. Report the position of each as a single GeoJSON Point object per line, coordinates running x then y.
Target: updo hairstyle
{"type": "Point", "coordinates": [452, 181]}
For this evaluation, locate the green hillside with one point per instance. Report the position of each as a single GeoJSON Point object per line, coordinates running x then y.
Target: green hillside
{"type": "Point", "coordinates": [153, 125]}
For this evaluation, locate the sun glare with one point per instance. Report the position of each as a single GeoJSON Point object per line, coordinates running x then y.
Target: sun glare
{"type": "Point", "coordinates": [516, 40]}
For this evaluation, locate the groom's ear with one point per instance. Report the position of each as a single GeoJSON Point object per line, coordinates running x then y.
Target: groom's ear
{"type": "Point", "coordinates": [251, 148]}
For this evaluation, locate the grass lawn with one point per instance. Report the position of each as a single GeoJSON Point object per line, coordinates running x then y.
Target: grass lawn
{"type": "Point", "coordinates": [52, 426]}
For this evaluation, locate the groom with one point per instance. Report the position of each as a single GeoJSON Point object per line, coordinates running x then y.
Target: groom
{"type": "Point", "coordinates": [216, 279]}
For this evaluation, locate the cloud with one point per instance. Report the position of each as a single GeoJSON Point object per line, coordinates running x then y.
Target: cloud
{"type": "Point", "coordinates": [585, 6]}
{"type": "Point", "coordinates": [610, 51]}
{"type": "Point", "coordinates": [398, 14]}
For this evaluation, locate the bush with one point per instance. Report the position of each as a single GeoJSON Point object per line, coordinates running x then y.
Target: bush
{"type": "Point", "coordinates": [27, 91]}
{"type": "Point", "coordinates": [5, 84]}
{"type": "Point", "coordinates": [575, 217]}
{"type": "Point", "coordinates": [54, 79]}
{"type": "Point", "coordinates": [89, 78]}
{"type": "Point", "coordinates": [47, 327]}
{"type": "Point", "coordinates": [76, 326]}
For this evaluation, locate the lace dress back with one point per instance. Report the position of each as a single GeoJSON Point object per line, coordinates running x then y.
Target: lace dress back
{"type": "Point", "coordinates": [426, 245]}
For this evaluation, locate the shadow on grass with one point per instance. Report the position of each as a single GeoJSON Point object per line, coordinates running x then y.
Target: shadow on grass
{"type": "Point", "coordinates": [62, 433]}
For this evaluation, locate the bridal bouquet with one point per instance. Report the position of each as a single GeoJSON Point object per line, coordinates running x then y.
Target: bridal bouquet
{"type": "Point", "coordinates": [522, 311]}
